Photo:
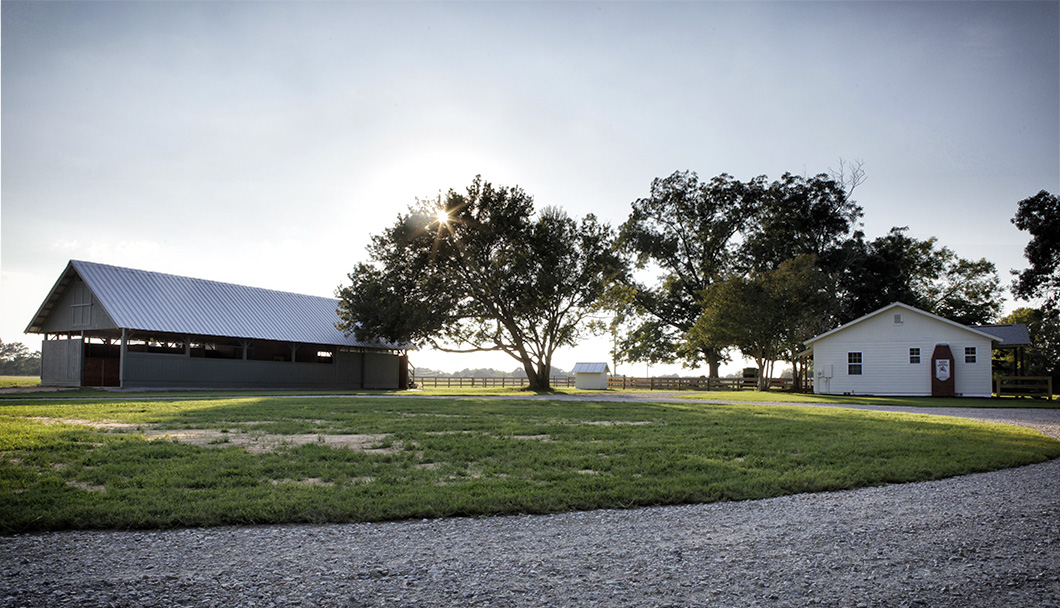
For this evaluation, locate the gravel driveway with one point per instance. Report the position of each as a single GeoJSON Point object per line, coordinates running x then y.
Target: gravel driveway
{"type": "Point", "coordinates": [990, 539]}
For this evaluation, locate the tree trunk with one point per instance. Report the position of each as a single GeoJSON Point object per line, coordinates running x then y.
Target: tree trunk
{"type": "Point", "coordinates": [763, 374]}
{"type": "Point", "coordinates": [536, 380]}
{"type": "Point", "coordinates": [713, 363]}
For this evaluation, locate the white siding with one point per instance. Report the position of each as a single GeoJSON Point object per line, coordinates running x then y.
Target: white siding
{"type": "Point", "coordinates": [590, 381]}
{"type": "Point", "coordinates": [885, 346]}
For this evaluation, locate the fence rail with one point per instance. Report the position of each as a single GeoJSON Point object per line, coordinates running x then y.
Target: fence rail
{"type": "Point", "coordinates": [614, 382]}
{"type": "Point", "coordinates": [677, 384]}
{"type": "Point", "coordinates": [1025, 386]}
{"type": "Point", "coordinates": [463, 382]}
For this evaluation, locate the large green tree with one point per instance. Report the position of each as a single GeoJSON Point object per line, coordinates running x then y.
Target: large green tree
{"type": "Point", "coordinates": [766, 315]}
{"type": "Point", "coordinates": [799, 216]}
{"type": "Point", "coordinates": [685, 232]}
{"type": "Point", "coordinates": [481, 270]}
{"type": "Point", "coordinates": [1040, 216]}
{"type": "Point", "coordinates": [900, 268]}
{"type": "Point", "coordinates": [693, 233]}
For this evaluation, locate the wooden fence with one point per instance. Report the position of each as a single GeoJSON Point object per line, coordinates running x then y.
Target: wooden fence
{"type": "Point", "coordinates": [461, 382]}
{"type": "Point", "coordinates": [613, 382]}
{"type": "Point", "coordinates": [1025, 386]}
{"type": "Point", "coordinates": [705, 384]}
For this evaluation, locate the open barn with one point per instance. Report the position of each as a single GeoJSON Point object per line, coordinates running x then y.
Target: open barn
{"type": "Point", "coordinates": [111, 326]}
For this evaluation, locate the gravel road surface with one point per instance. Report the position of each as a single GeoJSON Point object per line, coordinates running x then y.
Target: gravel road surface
{"type": "Point", "coordinates": [990, 539]}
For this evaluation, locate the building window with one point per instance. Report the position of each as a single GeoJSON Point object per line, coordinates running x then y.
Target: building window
{"type": "Point", "coordinates": [854, 364]}
{"type": "Point", "coordinates": [914, 355]}
{"type": "Point", "coordinates": [898, 319]}
{"type": "Point", "coordinates": [969, 354]}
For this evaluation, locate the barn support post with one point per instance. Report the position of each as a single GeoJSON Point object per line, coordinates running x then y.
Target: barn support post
{"type": "Point", "coordinates": [121, 360]}
{"type": "Point", "coordinates": [363, 355]}
{"type": "Point", "coordinates": [81, 363]}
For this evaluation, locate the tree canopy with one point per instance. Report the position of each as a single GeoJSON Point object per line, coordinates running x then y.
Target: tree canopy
{"type": "Point", "coordinates": [699, 233]}
{"type": "Point", "coordinates": [762, 265]}
{"type": "Point", "coordinates": [767, 314]}
{"type": "Point", "coordinates": [900, 268]}
{"type": "Point", "coordinates": [1040, 216]}
{"type": "Point", "coordinates": [482, 271]}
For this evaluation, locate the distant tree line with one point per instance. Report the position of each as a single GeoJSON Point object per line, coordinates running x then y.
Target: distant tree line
{"type": "Point", "coordinates": [700, 270]}
{"type": "Point", "coordinates": [17, 360]}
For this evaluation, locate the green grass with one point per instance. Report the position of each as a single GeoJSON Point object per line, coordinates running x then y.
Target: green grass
{"type": "Point", "coordinates": [78, 464]}
{"type": "Point", "coordinates": [99, 393]}
{"type": "Point", "coordinates": [18, 381]}
{"type": "Point", "coordinates": [784, 397]}
{"type": "Point", "coordinates": [750, 396]}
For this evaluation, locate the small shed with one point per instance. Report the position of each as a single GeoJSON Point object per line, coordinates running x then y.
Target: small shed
{"type": "Point", "coordinates": [592, 376]}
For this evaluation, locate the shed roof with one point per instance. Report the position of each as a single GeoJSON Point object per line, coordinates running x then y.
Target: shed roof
{"type": "Point", "coordinates": [590, 368]}
{"type": "Point", "coordinates": [1011, 334]}
{"type": "Point", "coordinates": [156, 302]}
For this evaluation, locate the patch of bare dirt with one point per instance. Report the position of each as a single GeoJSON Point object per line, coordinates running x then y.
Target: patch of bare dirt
{"type": "Point", "coordinates": [267, 442]}
{"type": "Point", "coordinates": [87, 487]}
{"type": "Point", "coordinates": [99, 425]}
{"type": "Point", "coordinates": [533, 437]}
{"type": "Point", "coordinates": [253, 441]}
{"type": "Point", "coordinates": [311, 481]}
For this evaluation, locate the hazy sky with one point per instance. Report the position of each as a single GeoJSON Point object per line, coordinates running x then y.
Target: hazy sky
{"type": "Point", "coordinates": [263, 143]}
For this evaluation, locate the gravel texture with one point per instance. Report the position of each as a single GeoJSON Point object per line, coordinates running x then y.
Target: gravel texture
{"type": "Point", "coordinates": [989, 539]}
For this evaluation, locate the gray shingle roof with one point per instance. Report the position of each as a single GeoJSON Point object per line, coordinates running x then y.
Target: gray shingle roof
{"type": "Point", "coordinates": [157, 302]}
{"type": "Point", "coordinates": [1013, 334]}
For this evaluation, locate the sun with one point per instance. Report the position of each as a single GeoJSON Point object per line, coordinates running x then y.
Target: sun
{"type": "Point", "coordinates": [443, 216]}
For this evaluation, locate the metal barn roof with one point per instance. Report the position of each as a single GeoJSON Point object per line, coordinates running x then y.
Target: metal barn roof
{"type": "Point", "coordinates": [156, 302]}
{"type": "Point", "coordinates": [589, 368]}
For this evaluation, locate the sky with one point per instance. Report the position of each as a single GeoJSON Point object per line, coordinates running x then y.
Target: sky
{"type": "Point", "coordinates": [264, 143]}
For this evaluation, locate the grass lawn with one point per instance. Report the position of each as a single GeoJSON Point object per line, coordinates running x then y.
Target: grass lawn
{"type": "Point", "coordinates": [164, 463]}
{"type": "Point", "coordinates": [783, 397]}
{"type": "Point", "coordinates": [16, 381]}
{"type": "Point", "coordinates": [750, 396]}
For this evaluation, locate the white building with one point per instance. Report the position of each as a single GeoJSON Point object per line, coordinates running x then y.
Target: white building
{"type": "Point", "coordinates": [592, 376]}
{"type": "Point", "coordinates": [901, 350]}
